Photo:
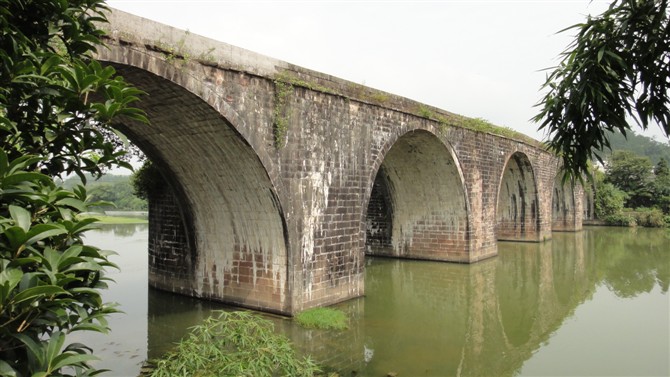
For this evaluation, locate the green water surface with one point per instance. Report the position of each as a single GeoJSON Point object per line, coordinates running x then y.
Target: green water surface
{"type": "Point", "coordinates": [592, 303]}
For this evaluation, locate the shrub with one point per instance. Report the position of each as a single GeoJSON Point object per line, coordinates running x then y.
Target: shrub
{"type": "Point", "coordinates": [620, 220]}
{"type": "Point", "coordinates": [649, 217]}
{"type": "Point", "coordinates": [234, 344]}
{"type": "Point", "coordinates": [609, 201]}
{"type": "Point", "coordinates": [57, 106]}
{"type": "Point", "coordinates": [50, 280]}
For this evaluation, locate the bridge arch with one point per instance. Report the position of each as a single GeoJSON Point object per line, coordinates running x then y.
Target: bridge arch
{"type": "Point", "coordinates": [517, 209]}
{"type": "Point", "coordinates": [231, 212]}
{"type": "Point", "coordinates": [416, 206]}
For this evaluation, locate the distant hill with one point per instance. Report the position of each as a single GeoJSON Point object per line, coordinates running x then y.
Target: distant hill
{"type": "Point", "coordinates": [640, 145]}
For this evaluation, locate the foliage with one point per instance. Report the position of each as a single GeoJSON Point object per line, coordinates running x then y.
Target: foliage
{"type": "Point", "coordinates": [147, 180]}
{"type": "Point", "coordinates": [120, 195]}
{"type": "Point", "coordinates": [323, 318]}
{"type": "Point", "coordinates": [620, 219]}
{"type": "Point", "coordinates": [49, 280]}
{"type": "Point", "coordinates": [649, 217]}
{"type": "Point", "coordinates": [56, 105]}
{"type": "Point", "coordinates": [633, 175]}
{"type": "Point", "coordinates": [116, 192]}
{"type": "Point", "coordinates": [609, 200]}
{"type": "Point", "coordinates": [483, 125]}
{"type": "Point", "coordinates": [281, 111]}
{"type": "Point", "coordinates": [631, 192]}
{"type": "Point", "coordinates": [617, 68]}
{"type": "Point", "coordinates": [46, 94]}
{"type": "Point", "coordinates": [234, 344]}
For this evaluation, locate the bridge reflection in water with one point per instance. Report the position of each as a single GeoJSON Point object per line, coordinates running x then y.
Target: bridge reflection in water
{"type": "Point", "coordinates": [435, 319]}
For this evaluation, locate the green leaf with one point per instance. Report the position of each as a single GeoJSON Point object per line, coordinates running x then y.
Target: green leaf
{"type": "Point", "coordinates": [4, 162]}
{"type": "Point", "coordinates": [34, 347]}
{"type": "Point", "coordinates": [6, 370]}
{"type": "Point", "coordinates": [70, 359]}
{"type": "Point", "coordinates": [21, 217]}
{"type": "Point", "coordinates": [42, 231]}
{"type": "Point", "coordinates": [72, 202]}
{"type": "Point", "coordinates": [54, 346]}
{"type": "Point", "coordinates": [16, 237]}
{"type": "Point", "coordinates": [36, 293]}
{"type": "Point", "coordinates": [600, 53]}
{"type": "Point", "coordinates": [10, 278]}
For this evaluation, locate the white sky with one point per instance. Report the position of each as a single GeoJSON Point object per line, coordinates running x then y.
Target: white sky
{"type": "Point", "coordinates": [480, 59]}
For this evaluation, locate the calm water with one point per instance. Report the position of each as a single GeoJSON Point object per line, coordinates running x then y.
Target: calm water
{"type": "Point", "coordinates": [590, 303]}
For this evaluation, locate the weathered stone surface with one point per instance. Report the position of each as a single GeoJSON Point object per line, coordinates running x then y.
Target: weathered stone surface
{"type": "Point", "coordinates": [282, 223]}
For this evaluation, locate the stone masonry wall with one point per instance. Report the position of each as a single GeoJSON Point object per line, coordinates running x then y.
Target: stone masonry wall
{"type": "Point", "coordinates": [170, 255]}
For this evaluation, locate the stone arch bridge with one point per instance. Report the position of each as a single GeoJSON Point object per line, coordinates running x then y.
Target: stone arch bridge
{"type": "Point", "coordinates": [280, 179]}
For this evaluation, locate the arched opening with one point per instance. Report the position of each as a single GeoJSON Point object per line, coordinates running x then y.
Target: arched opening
{"type": "Point", "coordinates": [517, 213]}
{"type": "Point", "coordinates": [379, 222]}
{"type": "Point", "coordinates": [222, 232]}
{"type": "Point", "coordinates": [562, 206]}
{"type": "Point", "coordinates": [417, 207]}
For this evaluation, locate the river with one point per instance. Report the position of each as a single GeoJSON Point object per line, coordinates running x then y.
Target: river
{"type": "Point", "coordinates": [589, 303]}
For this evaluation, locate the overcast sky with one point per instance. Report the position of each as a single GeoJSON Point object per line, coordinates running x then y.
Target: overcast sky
{"type": "Point", "coordinates": [481, 59]}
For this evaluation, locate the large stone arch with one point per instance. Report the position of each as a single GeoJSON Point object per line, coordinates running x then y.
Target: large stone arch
{"type": "Point", "coordinates": [417, 206]}
{"type": "Point", "coordinates": [230, 209]}
{"type": "Point", "coordinates": [517, 209]}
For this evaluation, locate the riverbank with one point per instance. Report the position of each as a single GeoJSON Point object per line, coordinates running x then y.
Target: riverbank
{"type": "Point", "coordinates": [107, 219]}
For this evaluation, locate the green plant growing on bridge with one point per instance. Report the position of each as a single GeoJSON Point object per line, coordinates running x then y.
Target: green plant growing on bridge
{"type": "Point", "coordinates": [379, 97]}
{"type": "Point", "coordinates": [55, 104]}
{"type": "Point", "coordinates": [425, 112]}
{"type": "Point", "coordinates": [483, 125]}
{"type": "Point", "coordinates": [234, 344]}
{"type": "Point", "coordinates": [175, 53]}
{"type": "Point", "coordinates": [281, 111]}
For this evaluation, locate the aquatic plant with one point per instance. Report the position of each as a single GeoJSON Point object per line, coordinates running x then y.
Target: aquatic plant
{"type": "Point", "coordinates": [323, 318]}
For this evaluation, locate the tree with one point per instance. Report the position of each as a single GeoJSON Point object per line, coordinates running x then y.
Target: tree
{"type": "Point", "coordinates": [609, 201]}
{"type": "Point", "coordinates": [633, 175]}
{"type": "Point", "coordinates": [119, 195]}
{"type": "Point", "coordinates": [661, 170]}
{"type": "Point", "coordinates": [662, 186]}
{"type": "Point", "coordinates": [616, 69]}
{"type": "Point", "coordinates": [56, 103]}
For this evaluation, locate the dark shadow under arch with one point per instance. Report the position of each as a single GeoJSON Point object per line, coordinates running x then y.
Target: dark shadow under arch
{"type": "Point", "coordinates": [517, 211]}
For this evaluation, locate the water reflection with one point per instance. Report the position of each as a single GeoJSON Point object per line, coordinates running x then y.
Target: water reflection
{"type": "Point", "coordinates": [432, 319]}
{"type": "Point", "coordinates": [122, 230]}
{"type": "Point", "coordinates": [521, 313]}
